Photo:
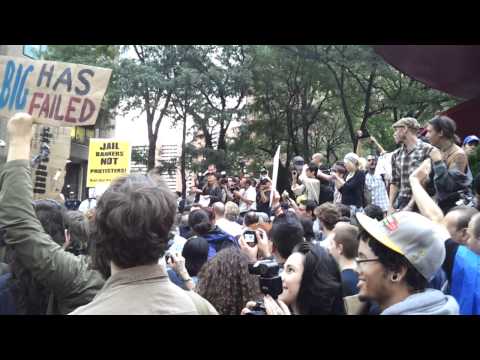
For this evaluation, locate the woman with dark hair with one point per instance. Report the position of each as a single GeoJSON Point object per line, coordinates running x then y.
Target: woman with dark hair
{"type": "Point", "coordinates": [312, 285]}
{"type": "Point", "coordinates": [307, 225]}
{"type": "Point", "coordinates": [226, 282]}
{"type": "Point", "coordinates": [204, 225]}
{"type": "Point", "coordinates": [194, 255]}
{"type": "Point", "coordinates": [451, 174]}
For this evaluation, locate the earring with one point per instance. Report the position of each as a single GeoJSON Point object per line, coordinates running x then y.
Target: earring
{"type": "Point", "coordinates": [394, 277]}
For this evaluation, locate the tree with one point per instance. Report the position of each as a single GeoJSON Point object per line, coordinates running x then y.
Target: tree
{"type": "Point", "coordinates": [224, 79]}
{"type": "Point", "coordinates": [291, 94]}
{"type": "Point", "coordinates": [182, 99]}
{"type": "Point", "coordinates": [147, 83]}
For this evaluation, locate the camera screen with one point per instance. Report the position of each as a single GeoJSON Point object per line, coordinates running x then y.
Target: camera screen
{"type": "Point", "coordinates": [249, 237]}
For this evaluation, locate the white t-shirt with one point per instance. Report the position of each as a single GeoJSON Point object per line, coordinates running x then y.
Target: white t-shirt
{"type": "Point", "coordinates": [250, 194]}
{"type": "Point", "coordinates": [230, 227]}
{"type": "Point", "coordinates": [384, 166]}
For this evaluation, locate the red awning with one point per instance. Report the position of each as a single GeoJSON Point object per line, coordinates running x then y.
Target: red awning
{"type": "Point", "coordinates": [453, 69]}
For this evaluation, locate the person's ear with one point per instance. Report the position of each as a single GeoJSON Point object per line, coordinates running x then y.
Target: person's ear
{"type": "Point", "coordinates": [339, 247]}
{"type": "Point", "coordinates": [398, 276]}
{"type": "Point", "coordinates": [464, 236]}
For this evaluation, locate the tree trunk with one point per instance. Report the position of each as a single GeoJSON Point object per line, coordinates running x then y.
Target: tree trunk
{"type": "Point", "coordinates": [366, 109]}
{"type": "Point", "coordinates": [306, 148]}
{"type": "Point", "coordinates": [183, 160]}
{"type": "Point", "coordinates": [222, 143]}
{"type": "Point", "coordinates": [152, 142]}
{"type": "Point", "coordinates": [152, 148]}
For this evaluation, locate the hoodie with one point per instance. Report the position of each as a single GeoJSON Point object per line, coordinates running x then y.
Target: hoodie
{"type": "Point", "coordinates": [428, 302]}
{"type": "Point", "coordinates": [217, 240]}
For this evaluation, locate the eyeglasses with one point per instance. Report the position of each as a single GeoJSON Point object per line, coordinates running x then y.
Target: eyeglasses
{"type": "Point", "coordinates": [370, 160]}
{"type": "Point", "coordinates": [360, 261]}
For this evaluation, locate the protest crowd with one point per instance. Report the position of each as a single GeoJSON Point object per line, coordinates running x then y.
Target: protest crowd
{"type": "Point", "coordinates": [387, 233]}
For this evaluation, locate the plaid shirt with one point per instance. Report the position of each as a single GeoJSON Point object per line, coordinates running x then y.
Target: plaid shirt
{"type": "Point", "coordinates": [404, 163]}
{"type": "Point", "coordinates": [377, 189]}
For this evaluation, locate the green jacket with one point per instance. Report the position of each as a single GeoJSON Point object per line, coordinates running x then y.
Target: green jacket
{"type": "Point", "coordinates": [68, 276]}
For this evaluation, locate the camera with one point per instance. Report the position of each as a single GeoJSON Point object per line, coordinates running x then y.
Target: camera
{"type": "Point", "coordinates": [325, 169]}
{"type": "Point", "coordinates": [270, 281]}
{"type": "Point", "coordinates": [258, 309]}
{"type": "Point", "coordinates": [250, 237]}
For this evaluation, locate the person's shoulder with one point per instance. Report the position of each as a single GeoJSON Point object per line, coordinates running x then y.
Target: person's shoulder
{"type": "Point", "coordinates": [459, 153]}
{"type": "Point", "coordinates": [424, 145]}
{"type": "Point", "coordinates": [349, 273]}
{"type": "Point", "coordinates": [202, 305]}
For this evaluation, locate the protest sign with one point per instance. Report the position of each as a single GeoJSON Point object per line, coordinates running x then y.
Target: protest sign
{"type": "Point", "coordinates": [107, 160]}
{"type": "Point", "coordinates": [276, 162]}
{"type": "Point", "coordinates": [54, 93]}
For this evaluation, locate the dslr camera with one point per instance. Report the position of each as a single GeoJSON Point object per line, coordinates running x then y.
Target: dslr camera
{"type": "Point", "coordinates": [269, 279]}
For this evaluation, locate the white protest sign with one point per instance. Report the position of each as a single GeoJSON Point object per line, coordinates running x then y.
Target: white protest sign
{"type": "Point", "coordinates": [54, 93]}
{"type": "Point", "coordinates": [276, 161]}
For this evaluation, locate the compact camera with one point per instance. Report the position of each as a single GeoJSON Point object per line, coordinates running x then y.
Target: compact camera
{"type": "Point", "coordinates": [250, 237]}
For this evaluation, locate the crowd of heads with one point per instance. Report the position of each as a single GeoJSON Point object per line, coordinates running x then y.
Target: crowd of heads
{"type": "Point", "coordinates": [310, 245]}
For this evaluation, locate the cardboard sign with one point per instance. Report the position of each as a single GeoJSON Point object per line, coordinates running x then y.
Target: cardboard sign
{"type": "Point", "coordinates": [107, 160]}
{"type": "Point", "coordinates": [49, 175]}
{"type": "Point", "coordinates": [276, 162]}
{"type": "Point", "coordinates": [54, 93]}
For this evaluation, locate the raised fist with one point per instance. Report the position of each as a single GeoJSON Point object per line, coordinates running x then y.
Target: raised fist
{"type": "Point", "coordinates": [20, 128]}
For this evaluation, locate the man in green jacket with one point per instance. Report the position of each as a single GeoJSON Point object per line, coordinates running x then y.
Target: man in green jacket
{"type": "Point", "coordinates": [70, 278]}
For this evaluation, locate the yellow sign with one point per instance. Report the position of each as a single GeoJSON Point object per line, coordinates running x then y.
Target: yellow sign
{"type": "Point", "coordinates": [108, 159]}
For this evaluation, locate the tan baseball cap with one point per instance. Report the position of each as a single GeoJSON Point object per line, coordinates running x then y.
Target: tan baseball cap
{"type": "Point", "coordinates": [407, 122]}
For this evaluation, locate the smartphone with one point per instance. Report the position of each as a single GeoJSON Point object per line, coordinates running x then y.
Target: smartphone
{"type": "Point", "coordinates": [250, 237]}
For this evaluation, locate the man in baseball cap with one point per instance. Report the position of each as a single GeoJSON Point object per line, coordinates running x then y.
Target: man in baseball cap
{"type": "Point", "coordinates": [407, 122]}
{"type": "Point", "coordinates": [397, 257]}
{"type": "Point", "coordinates": [405, 160]}
{"type": "Point", "coordinates": [470, 144]}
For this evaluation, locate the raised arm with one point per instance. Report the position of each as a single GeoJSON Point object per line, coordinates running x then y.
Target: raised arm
{"type": "Point", "coordinates": [427, 206]}
{"type": "Point", "coordinates": [377, 144]}
{"type": "Point", "coordinates": [67, 275]}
